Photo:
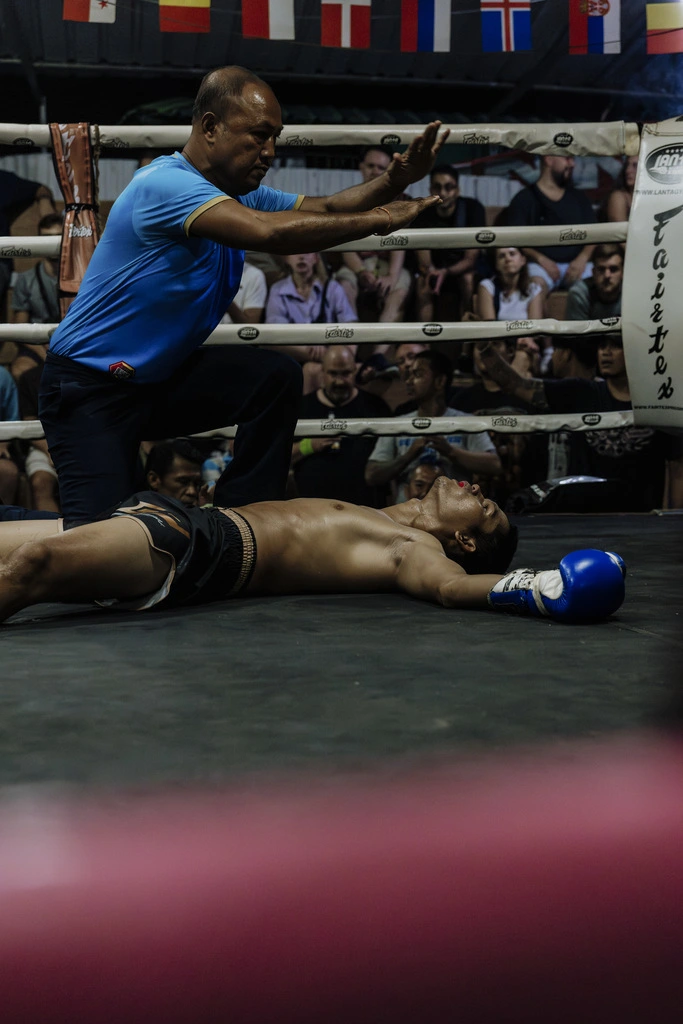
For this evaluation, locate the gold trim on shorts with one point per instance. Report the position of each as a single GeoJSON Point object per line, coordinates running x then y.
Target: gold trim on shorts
{"type": "Point", "coordinates": [248, 549]}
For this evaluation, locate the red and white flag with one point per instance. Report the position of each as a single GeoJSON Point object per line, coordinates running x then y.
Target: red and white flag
{"type": "Point", "coordinates": [103, 11]}
{"type": "Point", "coordinates": [345, 23]}
{"type": "Point", "coordinates": [268, 19]}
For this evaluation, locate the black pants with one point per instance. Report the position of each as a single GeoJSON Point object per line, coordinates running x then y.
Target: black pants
{"type": "Point", "coordinates": [94, 424]}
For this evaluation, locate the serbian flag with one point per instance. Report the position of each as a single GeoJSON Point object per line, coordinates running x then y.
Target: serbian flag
{"type": "Point", "coordinates": [594, 26]}
{"type": "Point", "coordinates": [425, 26]}
{"type": "Point", "coordinates": [664, 28]}
{"type": "Point", "coordinates": [505, 25]}
{"type": "Point", "coordinates": [103, 11]}
{"type": "Point", "coordinates": [185, 15]}
{"type": "Point", "coordinates": [268, 19]}
{"type": "Point", "coordinates": [345, 23]}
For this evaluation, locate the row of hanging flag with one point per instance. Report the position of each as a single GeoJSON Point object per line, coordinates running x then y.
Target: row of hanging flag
{"type": "Point", "coordinates": [594, 25]}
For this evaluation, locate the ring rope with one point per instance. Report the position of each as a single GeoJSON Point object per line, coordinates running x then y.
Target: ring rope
{"type": "Point", "coordinates": [12, 246]}
{"type": "Point", "coordinates": [401, 426]}
{"type": "Point", "coordinates": [358, 333]}
{"type": "Point", "coordinates": [597, 139]}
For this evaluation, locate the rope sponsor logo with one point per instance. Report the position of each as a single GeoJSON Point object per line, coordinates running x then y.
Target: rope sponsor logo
{"type": "Point", "coordinates": [297, 140]}
{"type": "Point", "coordinates": [591, 419]}
{"type": "Point", "coordinates": [563, 139]}
{"type": "Point", "coordinates": [15, 250]}
{"type": "Point", "coordinates": [610, 321]}
{"type": "Point", "coordinates": [432, 330]}
{"type": "Point", "coordinates": [248, 333]}
{"type": "Point", "coordinates": [503, 421]}
{"type": "Point", "coordinates": [334, 424]}
{"type": "Point", "coordinates": [122, 370]}
{"type": "Point", "coordinates": [486, 237]}
{"type": "Point", "coordinates": [472, 139]}
{"type": "Point", "coordinates": [660, 261]}
{"type": "Point", "coordinates": [665, 165]}
{"type": "Point", "coordinates": [393, 240]}
{"type": "Point", "coordinates": [391, 140]}
{"type": "Point", "coordinates": [23, 142]}
{"type": "Point", "coordinates": [82, 232]}
{"type": "Point", "coordinates": [573, 235]}
{"type": "Point", "coordinates": [117, 143]}
{"type": "Point", "coordinates": [519, 325]}
{"type": "Point", "coordinates": [339, 332]}
{"type": "Point", "coordinates": [422, 423]}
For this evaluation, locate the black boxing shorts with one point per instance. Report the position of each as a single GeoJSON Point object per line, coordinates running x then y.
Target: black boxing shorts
{"type": "Point", "coordinates": [213, 551]}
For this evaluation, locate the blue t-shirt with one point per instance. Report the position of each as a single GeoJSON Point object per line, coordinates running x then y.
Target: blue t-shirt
{"type": "Point", "coordinates": [9, 400]}
{"type": "Point", "coordinates": [152, 293]}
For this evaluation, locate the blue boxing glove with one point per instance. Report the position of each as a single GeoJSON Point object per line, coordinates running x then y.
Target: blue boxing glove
{"type": "Point", "coordinates": [587, 587]}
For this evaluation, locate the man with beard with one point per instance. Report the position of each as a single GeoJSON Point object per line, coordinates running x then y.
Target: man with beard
{"type": "Point", "coordinates": [599, 296]}
{"type": "Point", "coordinates": [334, 467]}
{"type": "Point", "coordinates": [553, 200]}
{"type": "Point", "coordinates": [646, 464]}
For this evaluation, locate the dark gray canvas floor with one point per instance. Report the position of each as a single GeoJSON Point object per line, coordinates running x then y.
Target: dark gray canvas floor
{"type": "Point", "coordinates": [334, 682]}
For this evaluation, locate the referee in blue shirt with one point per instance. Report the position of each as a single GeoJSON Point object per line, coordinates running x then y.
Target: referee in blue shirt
{"type": "Point", "coordinates": [126, 363]}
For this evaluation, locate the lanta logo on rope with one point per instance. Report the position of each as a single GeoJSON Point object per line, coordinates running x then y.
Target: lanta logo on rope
{"type": "Point", "coordinates": [339, 332]}
{"type": "Point", "coordinates": [297, 140]}
{"type": "Point", "coordinates": [15, 250]}
{"type": "Point", "coordinates": [503, 421]}
{"type": "Point", "coordinates": [391, 140]}
{"type": "Point", "coordinates": [519, 325]}
{"type": "Point", "coordinates": [23, 142]}
{"type": "Point", "coordinates": [591, 419]}
{"type": "Point", "coordinates": [248, 333]}
{"type": "Point", "coordinates": [82, 232]}
{"type": "Point", "coordinates": [485, 237]}
{"type": "Point", "coordinates": [472, 139]}
{"type": "Point", "coordinates": [432, 330]}
{"type": "Point", "coordinates": [122, 370]}
{"type": "Point", "coordinates": [422, 423]}
{"type": "Point", "coordinates": [334, 425]}
{"type": "Point", "coordinates": [563, 139]}
{"type": "Point", "coordinates": [609, 321]}
{"type": "Point", "coordinates": [573, 235]}
{"type": "Point", "coordinates": [393, 240]}
{"type": "Point", "coordinates": [665, 165]}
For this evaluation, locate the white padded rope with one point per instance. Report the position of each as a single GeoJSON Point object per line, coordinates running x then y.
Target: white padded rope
{"type": "Point", "coordinates": [403, 426]}
{"type": "Point", "coordinates": [411, 238]}
{"type": "Point", "coordinates": [607, 138]}
{"type": "Point", "coordinates": [376, 333]}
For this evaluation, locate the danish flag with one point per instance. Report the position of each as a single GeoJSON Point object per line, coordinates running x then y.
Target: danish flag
{"type": "Point", "coordinates": [345, 23]}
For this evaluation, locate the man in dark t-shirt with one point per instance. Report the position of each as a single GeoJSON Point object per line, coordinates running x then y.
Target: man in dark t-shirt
{"type": "Point", "coordinates": [635, 458]}
{"type": "Point", "coordinates": [334, 467]}
{"type": "Point", "coordinates": [16, 195]}
{"type": "Point", "coordinates": [445, 277]}
{"type": "Point", "coordinates": [553, 200]}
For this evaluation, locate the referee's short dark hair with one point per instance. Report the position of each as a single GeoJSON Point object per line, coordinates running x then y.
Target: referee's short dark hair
{"type": "Point", "coordinates": [161, 457]}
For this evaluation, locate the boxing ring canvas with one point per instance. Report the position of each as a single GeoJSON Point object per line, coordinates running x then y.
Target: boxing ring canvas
{"type": "Point", "coordinates": [339, 681]}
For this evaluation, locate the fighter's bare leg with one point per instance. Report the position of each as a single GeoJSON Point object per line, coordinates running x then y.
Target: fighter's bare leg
{"type": "Point", "coordinates": [22, 531]}
{"type": "Point", "coordinates": [112, 558]}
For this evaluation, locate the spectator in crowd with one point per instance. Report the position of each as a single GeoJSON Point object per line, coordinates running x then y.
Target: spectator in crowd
{"type": "Point", "coordinates": [307, 296]}
{"type": "Point", "coordinates": [39, 468]}
{"type": "Point", "coordinates": [460, 455]}
{"type": "Point", "coordinates": [553, 200]}
{"type": "Point", "coordinates": [16, 195]}
{"type": "Point", "coordinates": [599, 296]}
{"type": "Point", "coordinates": [334, 467]}
{"type": "Point", "coordinates": [421, 479]}
{"type": "Point", "coordinates": [9, 410]}
{"type": "Point", "coordinates": [404, 359]}
{"type": "Point", "coordinates": [381, 279]}
{"type": "Point", "coordinates": [248, 305]}
{"type": "Point", "coordinates": [174, 468]}
{"type": "Point", "coordinates": [619, 200]}
{"type": "Point", "coordinates": [445, 280]}
{"type": "Point", "coordinates": [639, 458]}
{"type": "Point", "coordinates": [509, 294]}
{"type": "Point", "coordinates": [35, 299]}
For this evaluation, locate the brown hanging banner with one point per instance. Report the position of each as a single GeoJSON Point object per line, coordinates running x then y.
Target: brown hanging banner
{"type": "Point", "coordinates": [75, 165]}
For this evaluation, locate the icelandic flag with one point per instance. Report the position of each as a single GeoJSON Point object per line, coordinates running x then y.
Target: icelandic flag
{"type": "Point", "coordinates": [425, 26]}
{"type": "Point", "coordinates": [345, 23]}
{"type": "Point", "coordinates": [268, 19]}
{"type": "Point", "coordinates": [594, 26]}
{"type": "Point", "coordinates": [103, 11]}
{"type": "Point", "coordinates": [505, 25]}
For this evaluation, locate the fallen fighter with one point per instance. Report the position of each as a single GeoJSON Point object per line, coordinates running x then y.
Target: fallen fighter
{"type": "Point", "coordinates": [452, 547]}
